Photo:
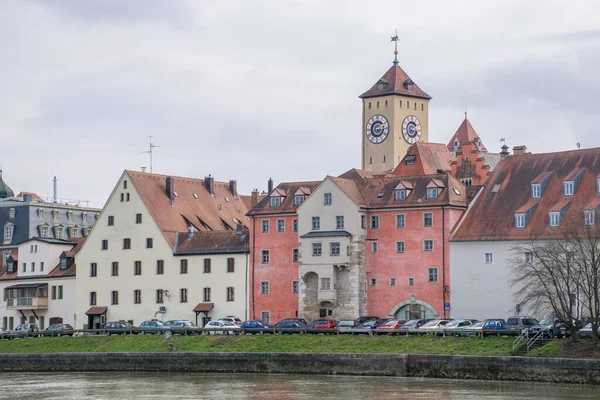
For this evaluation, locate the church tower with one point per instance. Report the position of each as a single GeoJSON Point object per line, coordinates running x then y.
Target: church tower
{"type": "Point", "coordinates": [395, 115]}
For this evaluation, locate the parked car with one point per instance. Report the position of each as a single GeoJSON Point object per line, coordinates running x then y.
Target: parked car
{"type": "Point", "coordinates": [152, 326]}
{"type": "Point", "coordinates": [291, 324]}
{"type": "Point", "coordinates": [323, 323]}
{"type": "Point", "coordinates": [121, 327]}
{"type": "Point", "coordinates": [61, 329]}
{"type": "Point", "coordinates": [414, 324]}
{"type": "Point", "coordinates": [371, 324]}
{"type": "Point", "coordinates": [361, 320]}
{"type": "Point", "coordinates": [391, 324]}
{"type": "Point", "coordinates": [26, 328]}
{"type": "Point", "coordinates": [221, 328]}
{"type": "Point", "coordinates": [301, 321]}
{"type": "Point", "coordinates": [520, 323]}
{"type": "Point", "coordinates": [346, 325]}
{"type": "Point", "coordinates": [586, 332]}
{"type": "Point", "coordinates": [256, 324]}
{"type": "Point", "coordinates": [181, 326]}
{"type": "Point", "coordinates": [456, 325]}
{"type": "Point", "coordinates": [492, 326]}
{"type": "Point", "coordinates": [230, 319]}
{"type": "Point", "coordinates": [473, 330]}
{"type": "Point", "coordinates": [552, 327]}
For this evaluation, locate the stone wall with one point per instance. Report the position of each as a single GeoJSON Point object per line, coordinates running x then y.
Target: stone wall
{"type": "Point", "coordinates": [430, 366]}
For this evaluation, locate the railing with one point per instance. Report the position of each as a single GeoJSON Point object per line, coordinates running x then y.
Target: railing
{"type": "Point", "coordinates": [532, 341]}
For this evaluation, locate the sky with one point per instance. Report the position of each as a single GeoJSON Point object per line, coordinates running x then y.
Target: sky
{"type": "Point", "coordinates": [252, 90]}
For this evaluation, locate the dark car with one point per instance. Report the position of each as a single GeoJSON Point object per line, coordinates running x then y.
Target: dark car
{"type": "Point", "coordinates": [299, 320]}
{"type": "Point", "coordinates": [118, 328]}
{"type": "Point", "coordinates": [371, 324]}
{"type": "Point", "coordinates": [61, 329]}
{"type": "Point", "coordinates": [361, 320]}
{"type": "Point", "coordinates": [256, 324]}
{"type": "Point", "coordinates": [520, 323]}
{"type": "Point", "coordinates": [182, 326]}
{"type": "Point", "coordinates": [152, 326]}
{"type": "Point", "coordinates": [289, 326]}
{"type": "Point", "coordinates": [414, 324]}
{"type": "Point", "coordinates": [551, 328]}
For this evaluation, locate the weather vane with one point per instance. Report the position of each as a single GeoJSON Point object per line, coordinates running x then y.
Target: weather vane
{"type": "Point", "coordinates": [395, 40]}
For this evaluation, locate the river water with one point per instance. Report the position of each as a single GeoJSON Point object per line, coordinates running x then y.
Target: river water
{"type": "Point", "coordinates": [268, 386]}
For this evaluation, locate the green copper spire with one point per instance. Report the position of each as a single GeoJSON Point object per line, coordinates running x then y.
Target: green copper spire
{"type": "Point", "coordinates": [395, 40]}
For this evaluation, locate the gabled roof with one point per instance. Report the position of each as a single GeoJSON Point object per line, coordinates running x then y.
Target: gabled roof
{"type": "Point", "coordinates": [513, 177]}
{"type": "Point", "coordinates": [465, 133]}
{"type": "Point", "coordinates": [395, 79]}
{"type": "Point", "coordinates": [287, 202]}
{"type": "Point", "coordinates": [429, 159]}
{"type": "Point", "coordinates": [212, 242]}
{"type": "Point", "coordinates": [205, 212]}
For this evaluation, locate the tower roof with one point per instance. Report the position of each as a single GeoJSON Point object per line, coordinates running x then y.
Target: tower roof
{"type": "Point", "coordinates": [5, 190]}
{"type": "Point", "coordinates": [395, 81]}
{"type": "Point", "coordinates": [465, 133]}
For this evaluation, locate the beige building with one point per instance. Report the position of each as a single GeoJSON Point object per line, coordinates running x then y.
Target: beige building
{"type": "Point", "coordinates": [165, 248]}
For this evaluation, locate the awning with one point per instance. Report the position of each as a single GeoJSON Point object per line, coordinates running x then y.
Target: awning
{"type": "Point", "coordinates": [96, 311]}
{"type": "Point", "coordinates": [203, 307]}
{"type": "Point", "coordinates": [27, 285]}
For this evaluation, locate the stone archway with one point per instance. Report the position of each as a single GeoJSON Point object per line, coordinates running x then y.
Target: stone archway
{"type": "Point", "coordinates": [413, 302]}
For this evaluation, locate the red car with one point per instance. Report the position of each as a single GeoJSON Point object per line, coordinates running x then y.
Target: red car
{"type": "Point", "coordinates": [324, 323]}
{"type": "Point", "coordinates": [392, 324]}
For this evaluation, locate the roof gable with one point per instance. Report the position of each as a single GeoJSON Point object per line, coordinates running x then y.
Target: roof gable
{"type": "Point", "coordinates": [396, 82]}
{"type": "Point", "coordinates": [429, 158]}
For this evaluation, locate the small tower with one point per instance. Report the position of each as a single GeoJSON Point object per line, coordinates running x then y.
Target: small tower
{"type": "Point", "coordinates": [5, 190]}
{"type": "Point", "coordinates": [395, 116]}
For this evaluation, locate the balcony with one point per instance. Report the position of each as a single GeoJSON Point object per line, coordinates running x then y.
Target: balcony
{"type": "Point", "coordinates": [27, 303]}
{"type": "Point", "coordinates": [27, 296]}
{"type": "Point", "coordinates": [327, 295]}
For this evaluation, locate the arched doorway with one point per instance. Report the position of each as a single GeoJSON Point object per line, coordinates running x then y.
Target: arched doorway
{"type": "Point", "coordinates": [56, 320]}
{"type": "Point", "coordinates": [414, 309]}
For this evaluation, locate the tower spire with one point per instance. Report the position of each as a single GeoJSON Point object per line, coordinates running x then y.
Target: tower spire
{"type": "Point", "coordinates": [395, 40]}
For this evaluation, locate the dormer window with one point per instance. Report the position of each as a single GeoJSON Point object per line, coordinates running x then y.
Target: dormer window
{"type": "Point", "coordinates": [70, 215]}
{"type": "Point", "coordinates": [55, 214]}
{"type": "Point", "coordinates": [8, 232]}
{"type": "Point", "coordinates": [589, 217]}
{"type": "Point", "coordinates": [63, 264]}
{"type": "Point", "coordinates": [11, 213]}
{"type": "Point", "coordinates": [11, 267]}
{"type": "Point", "coordinates": [73, 232]}
{"type": "Point", "coordinates": [536, 191]}
{"type": "Point", "coordinates": [598, 186]}
{"type": "Point", "coordinates": [408, 84]}
{"type": "Point", "coordinates": [298, 199]}
{"type": "Point", "coordinates": [399, 194]}
{"type": "Point", "coordinates": [40, 213]}
{"type": "Point", "coordinates": [58, 232]}
{"type": "Point", "coordinates": [84, 216]}
{"type": "Point", "coordinates": [569, 188]}
{"type": "Point", "coordinates": [410, 160]}
{"type": "Point", "coordinates": [520, 220]}
{"type": "Point", "coordinates": [456, 144]}
{"type": "Point", "coordinates": [44, 230]}
{"type": "Point", "coordinates": [87, 230]}
{"type": "Point", "coordinates": [554, 218]}
{"type": "Point", "coordinates": [381, 85]}
{"type": "Point", "coordinates": [433, 193]}
{"type": "Point", "coordinates": [275, 201]}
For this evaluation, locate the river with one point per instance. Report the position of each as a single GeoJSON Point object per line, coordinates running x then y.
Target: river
{"type": "Point", "coordinates": [269, 386]}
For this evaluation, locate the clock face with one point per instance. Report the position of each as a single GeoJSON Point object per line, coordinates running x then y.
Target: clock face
{"type": "Point", "coordinates": [377, 129]}
{"type": "Point", "coordinates": [411, 129]}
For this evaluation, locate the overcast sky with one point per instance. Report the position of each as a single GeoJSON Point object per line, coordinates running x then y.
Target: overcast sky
{"type": "Point", "coordinates": [249, 90]}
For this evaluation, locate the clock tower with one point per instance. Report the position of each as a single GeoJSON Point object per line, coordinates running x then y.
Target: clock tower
{"type": "Point", "coordinates": [394, 116]}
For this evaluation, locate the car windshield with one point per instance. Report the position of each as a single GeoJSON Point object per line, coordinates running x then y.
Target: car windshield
{"type": "Point", "coordinates": [546, 321]}
{"type": "Point", "coordinates": [452, 324]}
{"type": "Point", "coordinates": [477, 325]}
{"type": "Point", "coordinates": [513, 321]}
{"type": "Point", "coordinates": [431, 323]}
{"type": "Point", "coordinates": [320, 321]}
{"type": "Point", "coordinates": [391, 323]}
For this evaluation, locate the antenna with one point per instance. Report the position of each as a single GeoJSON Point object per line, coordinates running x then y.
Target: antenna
{"type": "Point", "coordinates": [150, 150]}
{"type": "Point", "coordinates": [395, 40]}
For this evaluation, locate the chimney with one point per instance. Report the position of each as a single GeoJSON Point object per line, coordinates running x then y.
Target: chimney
{"type": "Point", "coordinates": [519, 150]}
{"type": "Point", "coordinates": [233, 188]}
{"type": "Point", "coordinates": [270, 185]}
{"type": "Point", "coordinates": [504, 153]}
{"type": "Point", "coordinates": [254, 201]}
{"type": "Point", "coordinates": [170, 189]}
{"type": "Point", "coordinates": [209, 182]}
{"type": "Point", "coordinates": [54, 190]}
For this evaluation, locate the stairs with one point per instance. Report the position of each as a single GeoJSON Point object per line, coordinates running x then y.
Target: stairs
{"type": "Point", "coordinates": [523, 344]}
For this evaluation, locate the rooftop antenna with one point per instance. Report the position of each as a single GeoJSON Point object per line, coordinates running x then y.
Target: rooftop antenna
{"type": "Point", "coordinates": [151, 148]}
{"type": "Point", "coordinates": [465, 110]}
{"type": "Point", "coordinates": [395, 40]}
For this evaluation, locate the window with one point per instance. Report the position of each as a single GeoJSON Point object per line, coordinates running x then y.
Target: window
{"type": "Point", "coordinates": [126, 244]}
{"type": "Point", "coordinates": [432, 275]}
{"type": "Point", "coordinates": [427, 220]}
{"type": "Point", "coordinates": [8, 232]}
{"type": "Point", "coordinates": [264, 287]}
{"type": "Point", "coordinates": [44, 231]}
{"type": "Point", "coordinates": [231, 264]}
{"type": "Point", "coordinates": [207, 265]}
{"type": "Point", "coordinates": [373, 281]}
{"type": "Point", "coordinates": [554, 218]}
{"type": "Point", "coordinates": [325, 283]}
{"type": "Point", "coordinates": [519, 220]}
{"type": "Point", "coordinates": [137, 296]}
{"type": "Point", "coordinates": [316, 223]}
{"type": "Point", "coordinates": [317, 249]}
{"type": "Point", "coordinates": [73, 232]}
{"type": "Point", "coordinates": [295, 225]}
{"type": "Point", "coordinates": [59, 232]}
{"type": "Point", "coordinates": [149, 243]}
{"type": "Point", "coordinates": [11, 213]}
{"type": "Point", "coordinates": [183, 295]}
{"type": "Point", "coordinates": [280, 225]}
{"type": "Point", "coordinates": [298, 199]}
{"type": "Point", "coordinates": [339, 222]}
{"type": "Point", "coordinates": [399, 194]}
{"type": "Point", "coordinates": [528, 257]}
{"type": "Point", "coordinates": [400, 219]}
{"type": "Point", "coordinates": [295, 255]}
{"type": "Point", "coordinates": [93, 269]}
{"type": "Point", "coordinates": [84, 217]}
{"type": "Point", "coordinates": [62, 262]}
{"type": "Point", "coordinates": [115, 269]}
{"type": "Point", "coordinates": [24, 267]}
{"type": "Point", "coordinates": [411, 281]}
{"type": "Point", "coordinates": [124, 184]}
{"type": "Point", "coordinates": [334, 248]}
{"type": "Point", "coordinates": [53, 293]}
{"type": "Point", "coordinates": [374, 246]}
{"type": "Point", "coordinates": [42, 266]}
{"type": "Point", "coordinates": [428, 245]}
{"type": "Point", "coordinates": [183, 266]}
{"type": "Point", "coordinates": [265, 226]}
{"type": "Point", "coordinates": [392, 281]}
{"type": "Point", "coordinates": [114, 297]}
{"type": "Point", "coordinates": [206, 294]}
{"type": "Point", "coordinates": [327, 199]}
{"type": "Point", "coordinates": [230, 294]}
{"type": "Point", "coordinates": [40, 213]}
{"type": "Point", "coordinates": [128, 196]}
{"type": "Point", "coordinates": [92, 298]}
{"type": "Point", "coordinates": [266, 256]}
{"type": "Point", "coordinates": [489, 258]}
{"type": "Point", "coordinates": [137, 268]}
{"type": "Point", "coordinates": [589, 217]}
{"type": "Point", "coordinates": [111, 220]}
{"type": "Point", "coordinates": [295, 287]}
{"type": "Point", "coordinates": [536, 191]}
{"type": "Point", "coordinates": [375, 222]}
{"type": "Point", "coordinates": [363, 222]}
{"type": "Point", "coordinates": [399, 247]}
{"type": "Point", "coordinates": [569, 188]}
{"type": "Point", "coordinates": [160, 267]}
{"type": "Point", "coordinates": [70, 215]}
{"type": "Point", "coordinates": [275, 201]}
{"type": "Point", "coordinates": [160, 296]}
{"type": "Point", "coordinates": [265, 316]}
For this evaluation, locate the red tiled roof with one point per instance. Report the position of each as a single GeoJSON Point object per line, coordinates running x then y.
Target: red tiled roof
{"type": "Point", "coordinates": [96, 311]}
{"type": "Point", "coordinates": [429, 158]}
{"type": "Point", "coordinates": [395, 77]}
{"type": "Point", "coordinates": [465, 133]}
{"type": "Point", "coordinates": [203, 307]}
{"type": "Point", "coordinates": [213, 242]}
{"type": "Point", "coordinates": [492, 215]}
{"type": "Point", "coordinates": [34, 196]}
{"type": "Point", "coordinates": [287, 203]}
{"type": "Point", "coordinates": [204, 213]}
